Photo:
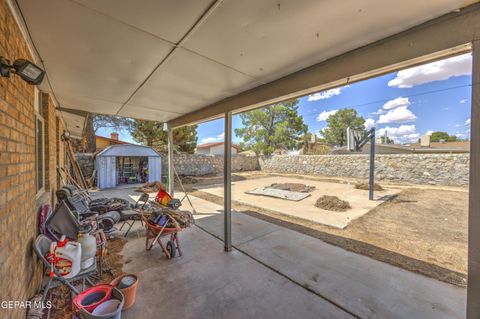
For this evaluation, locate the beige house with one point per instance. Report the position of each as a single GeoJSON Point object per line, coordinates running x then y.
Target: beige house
{"type": "Point", "coordinates": [217, 148]}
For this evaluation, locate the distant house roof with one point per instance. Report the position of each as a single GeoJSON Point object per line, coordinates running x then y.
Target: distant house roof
{"type": "Point", "coordinates": [128, 150]}
{"type": "Point", "coordinates": [111, 140]}
{"type": "Point", "coordinates": [414, 148]}
{"type": "Point", "coordinates": [210, 145]}
{"type": "Point", "coordinates": [457, 146]}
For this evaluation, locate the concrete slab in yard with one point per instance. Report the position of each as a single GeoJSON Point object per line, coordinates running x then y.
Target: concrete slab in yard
{"type": "Point", "coordinates": [305, 208]}
{"type": "Point", "coordinates": [278, 193]}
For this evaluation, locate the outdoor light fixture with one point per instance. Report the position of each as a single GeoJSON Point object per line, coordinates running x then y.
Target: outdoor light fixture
{"type": "Point", "coordinates": [65, 135]}
{"type": "Point", "coordinates": [25, 69]}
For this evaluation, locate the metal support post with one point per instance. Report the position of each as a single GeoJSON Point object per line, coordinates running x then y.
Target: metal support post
{"type": "Point", "coordinates": [473, 286]}
{"type": "Point", "coordinates": [372, 164]}
{"type": "Point", "coordinates": [227, 182]}
{"type": "Point", "coordinates": [171, 175]}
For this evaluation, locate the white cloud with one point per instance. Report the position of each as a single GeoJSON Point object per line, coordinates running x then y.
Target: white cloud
{"type": "Point", "coordinates": [398, 115]}
{"type": "Point", "coordinates": [429, 133]}
{"type": "Point", "coordinates": [435, 71]}
{"type": "Point", "coordinates": [463, 101]}
{"type": "Point", "coordinates": [463, 136]}
{"type": "Point", "coordinates": [325, 114]}
{"type": "Point", "coordinates": [320, 132]}
{"type": "Point", "coordinates": [326, 94]}
{"type": "Point", "coordinates": [369, 123]}
{"type": "Point", "coordinates": [398, 102]}
{"type": "Point", "coordinates": [401, 134]}
{"type": "Point", "coordinates": [379, 112]}
{"type": "Point", "coordinates": [467, 122]}
{"type": "Point", "coordinates": [218, 138]}
{"type": "Point", "coordinates": [208, 140]}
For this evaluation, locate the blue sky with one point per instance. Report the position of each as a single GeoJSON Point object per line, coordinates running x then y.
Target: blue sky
{"type": "Point", "coordinates": [405, 105]}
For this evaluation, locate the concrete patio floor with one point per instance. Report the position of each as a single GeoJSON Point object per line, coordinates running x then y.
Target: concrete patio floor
{"type": "Point", "coordinates": [274, 272]}
{"type": "Point", "coordinates": [305, 208]}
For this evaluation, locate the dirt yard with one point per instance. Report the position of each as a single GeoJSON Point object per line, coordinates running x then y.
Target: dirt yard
{"type": "Point", "coordinates": [420, 229]}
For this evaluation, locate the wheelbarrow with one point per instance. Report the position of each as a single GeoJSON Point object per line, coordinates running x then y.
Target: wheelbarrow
{"type": "Point", "coordinates": [155, 232]}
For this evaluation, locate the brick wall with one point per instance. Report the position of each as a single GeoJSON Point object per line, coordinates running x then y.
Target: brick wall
{"type": "Point", "coordinates": [19, 202]}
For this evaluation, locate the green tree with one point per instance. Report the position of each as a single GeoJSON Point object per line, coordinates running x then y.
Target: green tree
{"type": "Point", "coordinates": [269, 128]}
{"type": "Point", "coordinates": [437, 136]}
{"type": "Point", "coordinates": [336, 131]}
{"type": "Point", "coordinates": [151, 133]}
{"type": "Point", "coordinates": [97, 121]}
{"type": "Point", "coordinates": [386, 140]}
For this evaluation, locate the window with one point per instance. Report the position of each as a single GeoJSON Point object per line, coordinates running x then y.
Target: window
{"type": "Point", "coordinates": [39, 143]}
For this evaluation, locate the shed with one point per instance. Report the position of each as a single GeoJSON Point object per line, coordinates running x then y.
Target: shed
{"type": "Point", "coordinates": [127, 164]}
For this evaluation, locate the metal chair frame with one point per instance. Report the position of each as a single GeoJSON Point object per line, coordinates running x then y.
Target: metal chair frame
{"type": "Point", "coordinates": [41, 247]}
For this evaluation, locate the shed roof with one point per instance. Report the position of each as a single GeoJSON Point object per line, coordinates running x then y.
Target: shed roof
{"type": "Point", "coordinates": [128, 150]}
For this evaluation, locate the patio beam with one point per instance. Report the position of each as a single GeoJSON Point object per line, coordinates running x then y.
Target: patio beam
{"type": "Point", "coordinates": [436, 39]}
{"type": "Point", "coordinates": [171, 175]}
{"type": "Point", "coordinates": [227, 182]}
{"type": "Point", "coordinates": [473, 287]}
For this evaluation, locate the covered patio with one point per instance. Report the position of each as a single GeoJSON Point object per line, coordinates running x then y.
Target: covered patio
{"type": "Point", "coordinates": [186, 62]}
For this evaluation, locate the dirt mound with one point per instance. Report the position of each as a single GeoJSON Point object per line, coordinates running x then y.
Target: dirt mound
{"type": "Point", "coordinates": [332, 203]}
{"type": "Point", "coordinates": [293, 187]}
{"type": "Point", "coordinates": [152, 187]}
{"type": "Point", "coordinates": [187, 180]}
{"type": "Point", "coordinates": [366, 186]}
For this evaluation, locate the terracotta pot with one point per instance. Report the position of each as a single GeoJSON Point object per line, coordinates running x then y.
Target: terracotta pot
{"type": "Point", "coordinates": [130, 293]}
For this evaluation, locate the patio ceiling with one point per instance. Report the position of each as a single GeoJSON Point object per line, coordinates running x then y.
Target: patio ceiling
{"type": "Point", "coordinates": [162, 59]}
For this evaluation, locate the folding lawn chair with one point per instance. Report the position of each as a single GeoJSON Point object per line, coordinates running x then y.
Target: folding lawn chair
{"type": "Point", "coordinates": [129, 216]}
{"type": "Point", "coordinates": [42, 248]}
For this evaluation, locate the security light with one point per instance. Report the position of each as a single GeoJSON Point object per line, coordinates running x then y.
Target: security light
{"type": "Point", "coordinates": [25, 69]}
{"type": "Point", "coordinates": [65, 135]}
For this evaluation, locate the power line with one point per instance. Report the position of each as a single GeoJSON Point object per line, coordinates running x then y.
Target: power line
{"type": "Point", "coordinates": [407, 96]}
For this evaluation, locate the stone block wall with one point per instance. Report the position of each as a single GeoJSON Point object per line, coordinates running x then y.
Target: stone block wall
{"type": "Point", "coordinates": [186, 164]}
{"type": "Point", "coordinates": [197, 164]}
{"type": "Point", "coordinates": [432, 169]}
{"type": "Point", "coordinates": [86, 162]}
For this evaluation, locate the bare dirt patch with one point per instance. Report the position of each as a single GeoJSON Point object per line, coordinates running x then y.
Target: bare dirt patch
{"type": "Point", "coordinates": [420, 230]}
{"type": "Point", "coordinates": [366, 186]}
{"type": "Point", "coordinates": [332, 203]}
{"type": "Point", "coordinates": [293, 187]}
{"type": "Point", "coordinates": [152, 187]}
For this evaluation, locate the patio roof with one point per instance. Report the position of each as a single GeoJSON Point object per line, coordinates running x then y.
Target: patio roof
{"type": "Point", "coordinates": [163, 60]}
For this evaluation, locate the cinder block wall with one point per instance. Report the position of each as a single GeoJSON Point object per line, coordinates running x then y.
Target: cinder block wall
{"type": "Point", "coordinates": [20, 273]}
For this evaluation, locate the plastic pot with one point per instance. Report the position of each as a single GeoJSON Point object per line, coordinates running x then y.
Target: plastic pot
{"type": "Point", "coordinates": [130, 292]}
